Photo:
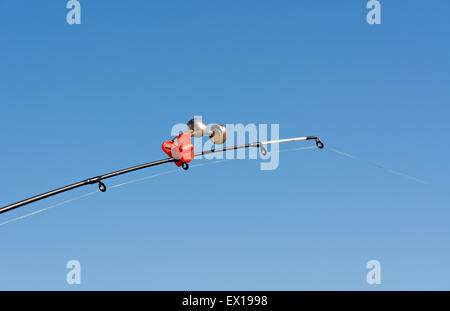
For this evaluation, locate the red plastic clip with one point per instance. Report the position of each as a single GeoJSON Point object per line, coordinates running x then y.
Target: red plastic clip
{"type": "Point", "coordinates": [180, 148]}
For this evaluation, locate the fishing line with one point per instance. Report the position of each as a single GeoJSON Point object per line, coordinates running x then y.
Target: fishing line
{"type": "Point", "coordinates": [297, 149]}
{"type": "Point", "coordinates": [49, 207]}
{"type": "Point", "coordinates": [342, 153]}
{"type": "Point", "coordinates": [389, 170]}
{"type": "Point", "coordinates": [127, 183]}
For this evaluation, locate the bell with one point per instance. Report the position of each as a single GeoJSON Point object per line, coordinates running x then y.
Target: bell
{"type": "Point", "coordinates": [219, 134]}
{"type": "Point", "coordinates": [197, 127]}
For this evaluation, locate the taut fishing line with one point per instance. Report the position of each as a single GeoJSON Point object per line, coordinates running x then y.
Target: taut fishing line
{"type": "Point", "coordinates": [389, 170]}
{"type": "Point", "coordinates": [49, 207]}
{"type": "Point", "coordinates": [127, 183]}
{"type": "Point", "coordinates": [350, 156]}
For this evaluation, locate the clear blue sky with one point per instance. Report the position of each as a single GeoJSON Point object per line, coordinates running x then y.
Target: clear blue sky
{"type": "Point", "coordinates": [81, 100]}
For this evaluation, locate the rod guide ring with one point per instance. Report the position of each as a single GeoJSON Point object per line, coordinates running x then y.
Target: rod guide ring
{"type": "Point", "coordinates": [101, 186]}
{"type": "Point", "coordinates": [185, 166]}
{"type": "Point", "coordinates": [263, 150]}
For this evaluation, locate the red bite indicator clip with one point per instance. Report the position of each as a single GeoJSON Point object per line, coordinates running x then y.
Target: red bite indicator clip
{"type": "Point", "coordinates": [181, 149]}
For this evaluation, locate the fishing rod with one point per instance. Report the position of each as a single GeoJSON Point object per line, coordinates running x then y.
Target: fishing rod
{"type": "Point", "coordinates": [180, 151]}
